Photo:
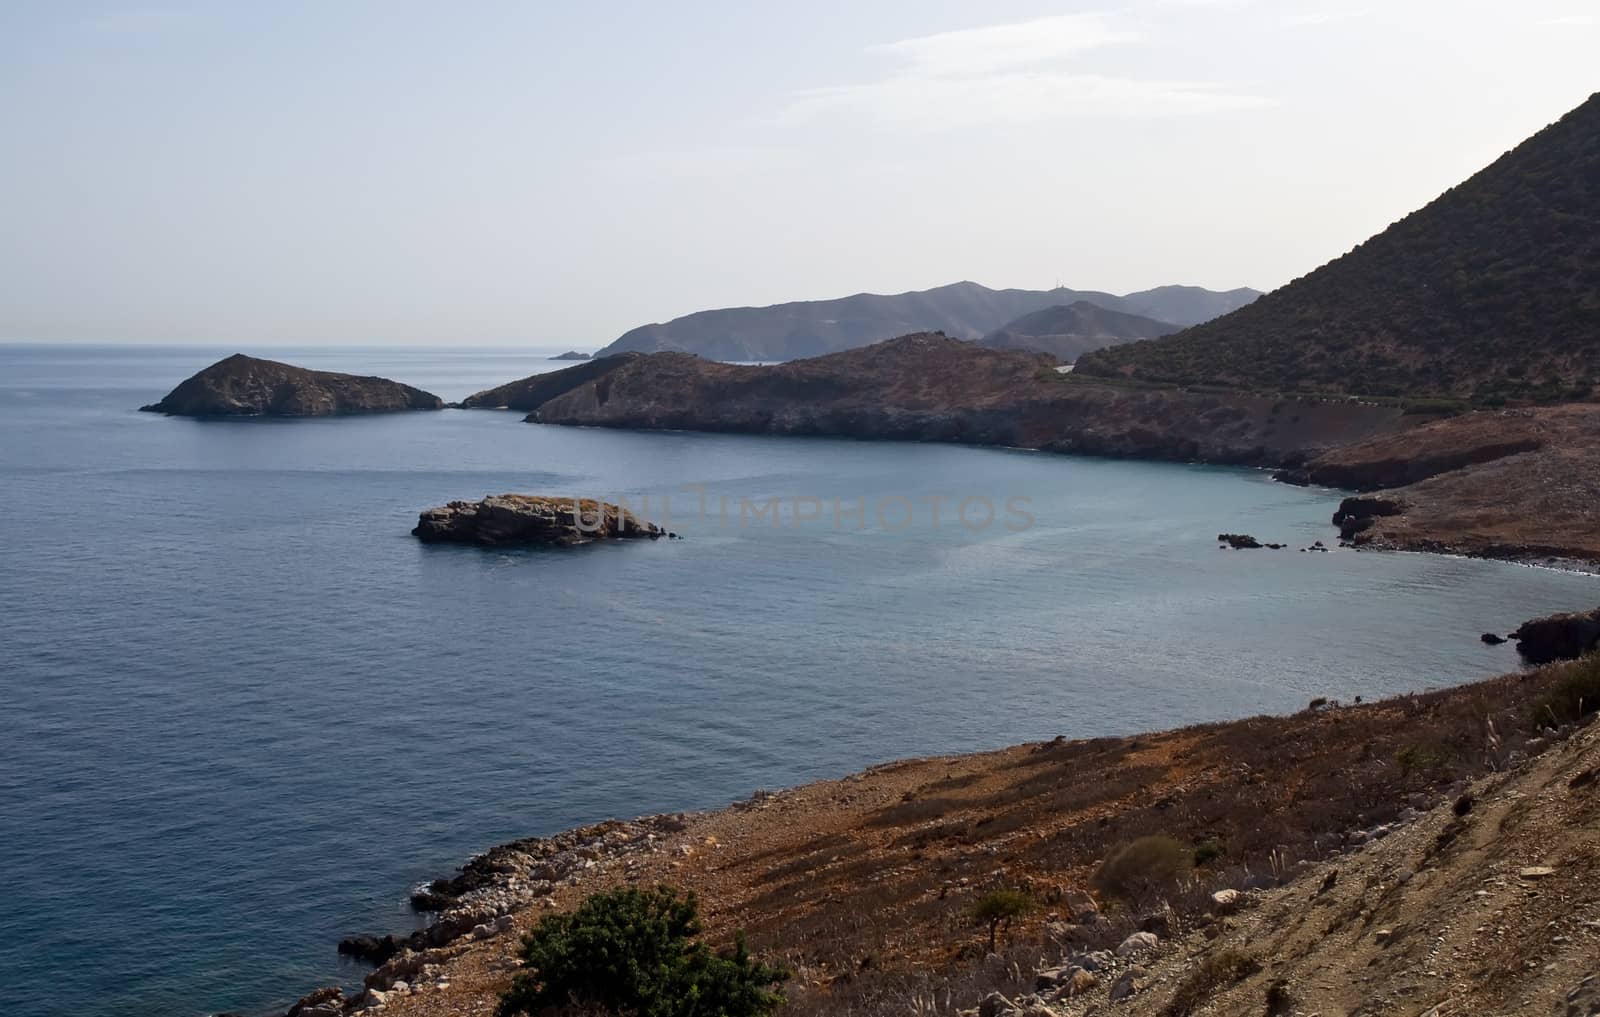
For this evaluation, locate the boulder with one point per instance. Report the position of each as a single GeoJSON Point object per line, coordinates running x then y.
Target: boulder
{"type": "Point", "coordinates": [242, 386]}
{"type": "Point", "coordinates": [1558, 637]}
{"type": "Point", "coordinates": [1139, 944]}
{"type": "Point", "coordinates": [1356, 515]}
{"type": "Point", "coordinates": [530, 520]}
{"type": "Point", "coordinates": [314, 1003]}
{"type": "Point", "coordinates": [1239, 541]}
{"type": "Point", "coordinates": [1132, 981]}
{"type": "Point", "coordinates": [995, 1005]}
{"type": "Point", "coordinates": [1491, 639]}
{"type": "Point", "coordinates": [1076, 984]}
{"type": "Point", "coordinates": [1225, 902]}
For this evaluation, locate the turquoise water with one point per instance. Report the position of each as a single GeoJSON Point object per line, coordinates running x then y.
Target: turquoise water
{"type": "Point", "coordinates": [244, 711]}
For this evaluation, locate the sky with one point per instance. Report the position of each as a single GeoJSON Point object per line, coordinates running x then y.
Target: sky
{"type": "Point", "coordinates": [383, 171]}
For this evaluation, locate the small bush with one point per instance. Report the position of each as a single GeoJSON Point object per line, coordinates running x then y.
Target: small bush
{"type": "Point", "coordinates": [998, 908]}
{"type": "Point", "coordinates": [1208, 851]}
{"type": "Point", "coordinates": [632, 952]}
{"type": "Point", "coordinates": [1218, 971]}
{"type": "Point", "coordinates": [1574, 693]}
{"type": "Point", "coordinates": [1143, 868]}
{"type": "Point", "coordinates": [1417, 758]}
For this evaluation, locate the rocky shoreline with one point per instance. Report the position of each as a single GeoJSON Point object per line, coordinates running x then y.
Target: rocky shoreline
{"type": "Point", "coordinates": [788, 866]}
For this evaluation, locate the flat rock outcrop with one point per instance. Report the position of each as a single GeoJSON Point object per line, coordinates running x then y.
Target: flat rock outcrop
{"type": "Point", "coordinates": [241, 386]}
{"type": "Point", "coordinates": [531, 521]}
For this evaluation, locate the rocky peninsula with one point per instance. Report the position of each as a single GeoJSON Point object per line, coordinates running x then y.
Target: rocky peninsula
{"type": "Point", "coordinates": [1519, 484]}
{"type": "Point", "coordinates": [242, 386]}
{"type": "Point", "coordinates": [525, 520]}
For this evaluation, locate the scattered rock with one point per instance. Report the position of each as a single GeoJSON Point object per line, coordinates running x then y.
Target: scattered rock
{"type": "Point", "coordinates": [1239, 541]}
{"type": "Point", "coordinates": [1536, 872]}
{"type": "Point", "coordinates": [1079, 982]}
{"type": "Point", "coordinates": [995, 1005]}
{"type": "Point", "coordinates": [1584, 1000]}
{"type": "Point", "coordinates": [1130, 982]}
{"type": "Point", "coordinates": [318, 1002]}
{"type": "Point", "coordinates": [1098, 961]}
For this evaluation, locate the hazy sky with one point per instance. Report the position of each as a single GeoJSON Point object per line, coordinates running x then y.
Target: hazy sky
{"type": "Point", "coordinates": [260, 173]}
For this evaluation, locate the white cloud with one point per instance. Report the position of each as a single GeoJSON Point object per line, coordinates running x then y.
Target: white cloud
{"type": "Point", "coordinates": [999, 47]}
{"type": "Point", "coordinates": [931, 103]}
{"type": "Point", "coordinates": [1014, 73]}
{"type": "Point", "coordinates": [1572, 20]}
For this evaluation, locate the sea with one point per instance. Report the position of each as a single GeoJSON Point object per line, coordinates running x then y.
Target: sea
{"type": "Point", "coordinates": [243, 711]}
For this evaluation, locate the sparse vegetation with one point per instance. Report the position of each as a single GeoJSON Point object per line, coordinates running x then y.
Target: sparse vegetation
{"type": "Point", "coordinates": [1216, 971]}
{"type": "Point", "coordinates": [633, 952]}
{"type": "Point", "coordinates": [1574, 693]}
{"type": "Point", "coordinates": [998, 908]}
{"type": "Point", "coordinates": [1489, 295]}
{"type": "Point", "coordinates": [1144, 868]}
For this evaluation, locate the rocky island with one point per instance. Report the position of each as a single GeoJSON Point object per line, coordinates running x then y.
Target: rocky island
{"type": "Point", "coordinates": [527, 520]}
{"type": "Point", "coordinates": [241, 386]}
{"type": "Point", "coordinates": [571, 355]}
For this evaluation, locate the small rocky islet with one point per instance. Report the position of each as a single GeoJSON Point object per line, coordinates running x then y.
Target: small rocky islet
{"type": "Point", "coordinates": [244, 386]}
{"type": "Point", "coordinates": [526, 520]}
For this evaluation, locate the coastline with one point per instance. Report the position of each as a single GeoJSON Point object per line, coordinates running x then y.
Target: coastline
{"type": "Point", "coordinates": [787, 867]}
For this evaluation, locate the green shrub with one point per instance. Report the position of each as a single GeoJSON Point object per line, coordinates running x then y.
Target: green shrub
{"type": "Point", "coordinates": [1145, 867]}
{"type": "Point", "coordinates": [1418, 757]}
{"type": "Point", "coordinates": [1208, 851]}
{"type": "Point", "coordinates": [1574, 693]}
{"type": "Point", "coordinates": [998, 908]}
{"type": "Point", "coordinates": [633, 952]}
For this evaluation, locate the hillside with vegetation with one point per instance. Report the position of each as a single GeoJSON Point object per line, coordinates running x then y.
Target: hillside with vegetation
{"type": "Point", "coordinates": [1490, 294]}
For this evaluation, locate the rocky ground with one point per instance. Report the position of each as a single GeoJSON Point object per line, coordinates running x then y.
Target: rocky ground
{"type": "Point", "coordinates": [1382, 858]}
{"type": "Point", "coordinates": [1519, 484]}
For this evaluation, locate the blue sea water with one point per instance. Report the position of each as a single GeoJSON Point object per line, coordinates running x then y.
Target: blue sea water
{"type": "Point", "coordinates": [243, 711]}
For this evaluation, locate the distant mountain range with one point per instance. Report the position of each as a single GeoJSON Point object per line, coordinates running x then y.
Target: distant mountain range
{"type": "Point", "coordinates": [1067, 332]}
{"type": "Point", "coordinates": [963, 310]}
{"type": "Point", "coordinates": [1489, 294]}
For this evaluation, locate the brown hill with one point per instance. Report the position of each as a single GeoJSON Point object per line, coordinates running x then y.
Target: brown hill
{"type": "Point", "coordinates": [241, 386]}
{"type": "Point", "coordinates": [1491, 293]}
{"type": "Point", "coordinates": [1069, 331]}
{"type": "Point", "coordinates": [929, 387]}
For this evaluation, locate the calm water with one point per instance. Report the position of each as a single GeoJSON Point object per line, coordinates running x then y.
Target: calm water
{"type": "Point", "coordinates": [244, 711]}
